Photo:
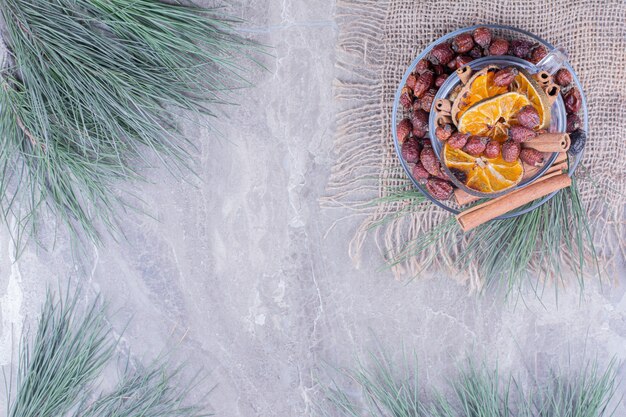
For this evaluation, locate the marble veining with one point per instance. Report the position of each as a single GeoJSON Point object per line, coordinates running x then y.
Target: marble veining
{"type": "Point", "coordinates": [241, 273]}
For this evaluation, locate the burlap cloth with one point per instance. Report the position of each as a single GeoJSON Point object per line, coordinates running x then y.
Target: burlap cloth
{"type": "Point", "coordinates": [377, 42]}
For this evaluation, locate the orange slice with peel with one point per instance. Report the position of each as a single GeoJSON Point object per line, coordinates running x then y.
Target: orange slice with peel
{"type": "Point", "coordinates": [525, 84]}
{"type": "Point", "coordinates": [486, 175]}
{"type": "Point", "coordinates": [493, 117]}
{"type": "Point", "coordinates": [479, 87]}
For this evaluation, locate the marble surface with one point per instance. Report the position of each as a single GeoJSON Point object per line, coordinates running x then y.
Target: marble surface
{"type": "Point", "coordinates": [238, 274]}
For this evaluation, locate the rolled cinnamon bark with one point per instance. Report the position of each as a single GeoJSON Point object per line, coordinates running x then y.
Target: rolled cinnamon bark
{"type": "Point", "coordinates": [465, 73]}
{"type": "Point", "coordinates": [543, 78]}
{"type": "Point", "coordinates": [463, 197]}
{"type": "Point", "coordinates": [552, 91]}
{"type": "Point", "coordinates": [442, 119]}
{"type": "Point", "coordinates": [559, 166]}
{"type": "Point", "coordinates": [549, 142]}
{"type": "Point", "coordinates": [482, 213]}
{"type": "Point", "coordinates": [443, 105]}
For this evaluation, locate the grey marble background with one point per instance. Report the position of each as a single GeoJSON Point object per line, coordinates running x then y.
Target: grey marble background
{"type": "Point", "coordinates": [238, 274]}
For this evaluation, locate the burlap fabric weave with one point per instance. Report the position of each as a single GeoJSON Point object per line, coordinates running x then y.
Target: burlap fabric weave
{"type": "Point", "coordinates": [379, 39]}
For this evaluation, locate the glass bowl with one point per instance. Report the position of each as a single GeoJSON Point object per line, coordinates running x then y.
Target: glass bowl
{"type": "Point", "coordinates": [506, 32]}
{"type": "Point", "coordinates": [558, 119]}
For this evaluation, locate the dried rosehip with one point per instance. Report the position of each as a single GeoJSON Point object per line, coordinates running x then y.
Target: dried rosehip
{"type": "Point", "coordinates": [442, 174]}
{"type": "Point", "coordinates": [520, 48]}
{"type": "Point", "coordinates": [573, 123]}
{"type": "Point", "coordinates": [463, 60]}
{"type": "Point", "coordinates": [419, 120]}
{"type": "Point", "coordinates": [458, 140]}
{"type": "Point", "coordinates": [418, 133]}
{"type": "Point", "coordinates": [424, 82]}
{"type": "Point", "coordinates": [563, 77]}
{"type": "Point", "coordinates": [441, 54]}
{"type": "Point", "coordinates": [440, 189]}
{"type": "Point", "coordinates": [511, 151]}
{"type": "Point", "coordinates": [440, 80]}
{"type": "Point", "coordinates": [521, 134]}
{"type": "Point", "coordinates": [573, 100]}
{"type": "Point", "coordinates": [505, 76]}
{"type": "Point", "coordinates": [475, 53]}
{"type": "Point", "coordinates": [459, 61]}
{"type": "Point", "coordinates": [499, 47]}
{"type": "Point", "coordinates": [430, 161]}
{"type": "Point", "coordinates": [427, 100]}
{"type": "Point", "coordinates": [419, 172]}
{"type": "Point", "coordinates": [531, 157]}
{"type": "Point", "coordinates": [492, 150]}
{"type": "Point", "coordinates": [476, 145]}
{"type": "Point", "coordinates": [444, 132]}
{"type": "Point", "coordinates": [406, 97]}
{"type": "Point", "coordinates": [404, 129]}
{"type": "Point", "coordinates": [411, 151]}
{"type": "Point", "coordinates": [452, 64]}
{"type": "Point", "coordinates": [417, 104]}
{"type": "Point", "coordinates": [438, 69]}
{"type": "Point", "coordinates": [538, 54]}
{"type": "Point", "coordinates": [462, 43]}
{"type": "Point", "coordinates": [411, 80]}
{"type": "Point", "coordinates": [422, 65]}
{"type": "Point", "coordinates": [424, 142]}
{"type": "Point", "coordinates": [482, 36]}
{"type": "Point", "coordinates": [528, 117]}
{"type": "Point", "coordinates": [459, 175]}
{"type": "Point", "coordinates": [578, 139]}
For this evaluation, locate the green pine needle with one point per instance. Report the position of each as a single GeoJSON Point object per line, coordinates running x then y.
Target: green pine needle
{"type": "Point", "coordinates": [58, 370]}
{"type": "Point", "coordinates": [479, 392]}
{"type": "Point", "coordinates": [475, 391]}
{"type": "Point", "coordinates": [386, 391]}
{"type": "Point", "coordinates": [145, 392]}
{"type": "Point", "coordinates": [506, 253]}
{"type": "Point", "coordinates": [587, 393]}
{"type": "Point", "coordinates": [90, 86]}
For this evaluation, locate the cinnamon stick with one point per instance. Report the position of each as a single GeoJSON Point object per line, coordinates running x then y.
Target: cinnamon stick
{"type": "Point", "coordinates": [559, 165]}
{"type": "Point", "coordinates": [560, 168]}
{"type": "Point", "coordinates": [463, 197]}
{"type": "Point", "coordinates": [465, 73]}
{"type": "Point", "coordinates": [443, 119]}
{"type": "Point", "coordinates": [549, 142]}
{"type": "Point", "coordinates": [482, 213]}
{"type": "Point", "coordinates": [543, 78]}
{"type": "Point", "coordinates": [443, 105]}
{"type": "Point", "coordinates": [552, 91]}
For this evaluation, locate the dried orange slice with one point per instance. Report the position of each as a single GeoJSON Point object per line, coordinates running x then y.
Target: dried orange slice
{"type": "Point", "coordinates": [479, 87]}
{"type": "Point", "coordinates": [487, 175]}
{"type": "Point", "coordinates": [525, 84]}
{"type": "Point", "coordinates": [493, 116]}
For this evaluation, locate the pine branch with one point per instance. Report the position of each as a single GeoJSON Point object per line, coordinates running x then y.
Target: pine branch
{"type": "Point", "coordinates": [92, 87]}
{"type": "Point", "coordinates": [385, 389]}
{"type": "Point", "coordinates": [58, 370]}
{"type": "Point", "coordinates": [506, 253]}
